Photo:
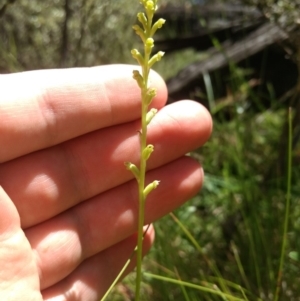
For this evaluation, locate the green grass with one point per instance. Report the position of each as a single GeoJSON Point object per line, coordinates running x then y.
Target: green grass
{"type": "Point", "coordinates": [237, 220]}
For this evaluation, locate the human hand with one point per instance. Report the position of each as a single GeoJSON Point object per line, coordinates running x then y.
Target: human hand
{"type": "Point", "coordinates": [68, 206]}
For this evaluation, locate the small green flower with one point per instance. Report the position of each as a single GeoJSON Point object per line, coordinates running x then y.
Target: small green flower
{"type": "Point", "coordinates": [136, 55]}
{"type": "Point", "coordinates": [151, 93]}
{"type": "Point", "coordinates": [138, 77]}
{"type": "Point", "coordinates": [147, 151]}
{"type": "Point", "coordinates": [142, 19]}
{"type": "Point", "coordinates": [130, 166]}
{"type": "Point", "coordinates": [150, 7]}
{"type": "Point", "coordinates": [155, 58]}
{"type": "Point", "coordinates": [150, 187]}
{"type": "Point", "coordinates": [157, 25]}
{"type": "Point", "coordinates": [139, 31]}
{"type": "Point", "coordinates": [150, 115]}
{"type": "Point", "coordinates": [148, 46]}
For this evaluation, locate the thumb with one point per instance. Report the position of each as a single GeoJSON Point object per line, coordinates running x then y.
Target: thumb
{"type": "Point", "coordinates": [18, 273]}
{"type": "Point", "coordinates": [9, 217]}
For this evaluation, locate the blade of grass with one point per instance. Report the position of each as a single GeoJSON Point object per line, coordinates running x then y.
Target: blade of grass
{"type": "Point", "coordinates": [239, 264]}
{"type": "Point", "coordinates": [186, 296]}
{"type": "Point", "coordinates": [287, 208]}
{"type": "Point", "coordinates": [195, 243]}
{"type": "Point", "coordinates": [194, 286]}
{"type": "Point", "coordinates": [211, 265]}
{"type": "Point", "coordinates": [235, 286]}
{"type": "Point", "coordinates": [209, 90]}
{"type": "Point", "coordinates": [119, 276]}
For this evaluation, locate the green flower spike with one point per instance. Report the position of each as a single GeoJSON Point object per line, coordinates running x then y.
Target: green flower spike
{"type": "Point", "coordinates": [145, 31]}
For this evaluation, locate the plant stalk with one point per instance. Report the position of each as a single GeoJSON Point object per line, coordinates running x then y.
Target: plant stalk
{"type": "Point", "coordinates": [145, 60]}
{"type": "Point", "coordinates": [287, 208]}
{"type": "Point", "coordinates": [141, 206]}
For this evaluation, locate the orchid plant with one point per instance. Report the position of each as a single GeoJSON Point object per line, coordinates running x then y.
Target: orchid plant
{"type": "Point", "coordinates": [146, 60]}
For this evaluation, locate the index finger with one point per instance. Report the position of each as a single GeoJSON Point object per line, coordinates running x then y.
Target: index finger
{"type": "Point", "coordinates": [42, 108]}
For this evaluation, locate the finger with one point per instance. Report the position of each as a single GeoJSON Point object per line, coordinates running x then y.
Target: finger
{"type": "Point", "coordinates": [55, 179]}
{"type": "Point", "coordinates": [63, 242]}
{"type": "Point", "coordinates": [43, 108]}
{"type": "Point", "coordinates": [18, 274]}
{"type": "Point", "coordinates": [93, 277]}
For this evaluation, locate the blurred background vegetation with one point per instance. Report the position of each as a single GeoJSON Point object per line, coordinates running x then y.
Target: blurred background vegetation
{"type": "Point", "coordinates": [237, 219]}
{"type": "Point", "coordinates": [65, 33]}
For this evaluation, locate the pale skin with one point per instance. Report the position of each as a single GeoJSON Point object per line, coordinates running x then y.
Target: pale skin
{"type": "Point", "coordinates": [68, 206]}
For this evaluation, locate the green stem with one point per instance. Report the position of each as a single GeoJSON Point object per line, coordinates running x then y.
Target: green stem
{"type": "Point", "coordinates": [121, 274]}
{"type": "Point", "coordinates": [213, 291]}
{"type": "Point", "coordinates": [287, 208]}
{"type": "Point", "coordinates": [142, 199]}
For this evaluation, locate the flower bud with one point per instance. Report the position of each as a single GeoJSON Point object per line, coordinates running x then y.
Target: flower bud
{"type": "Point", "coordinates": [142, 19]}
{"type": "Point", "coordinates": [138, 77]}
{"type": "Point", "coordinates": [150, 6]}
{"type": "Point", "coordinates": [139, 31]}
{"type": "Point", "coordinates": [150, 115]}
{"type": "Point", "coordinates": [155, 58]}
{"type": "Point", "coordinates": [149, 45]}
{"type": "Point", "coordinates": [150, 187]}
{"type": "Point", "coordinates": [133, 169]}
{"type": "Point", "coordinates": [151, 93]}
{"type": "Point", "coordinates": [158, 24]}
{"type": "Point", "coordinates": [136, 55]}
{"type": "Point", "coordinates": [147, 151]}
